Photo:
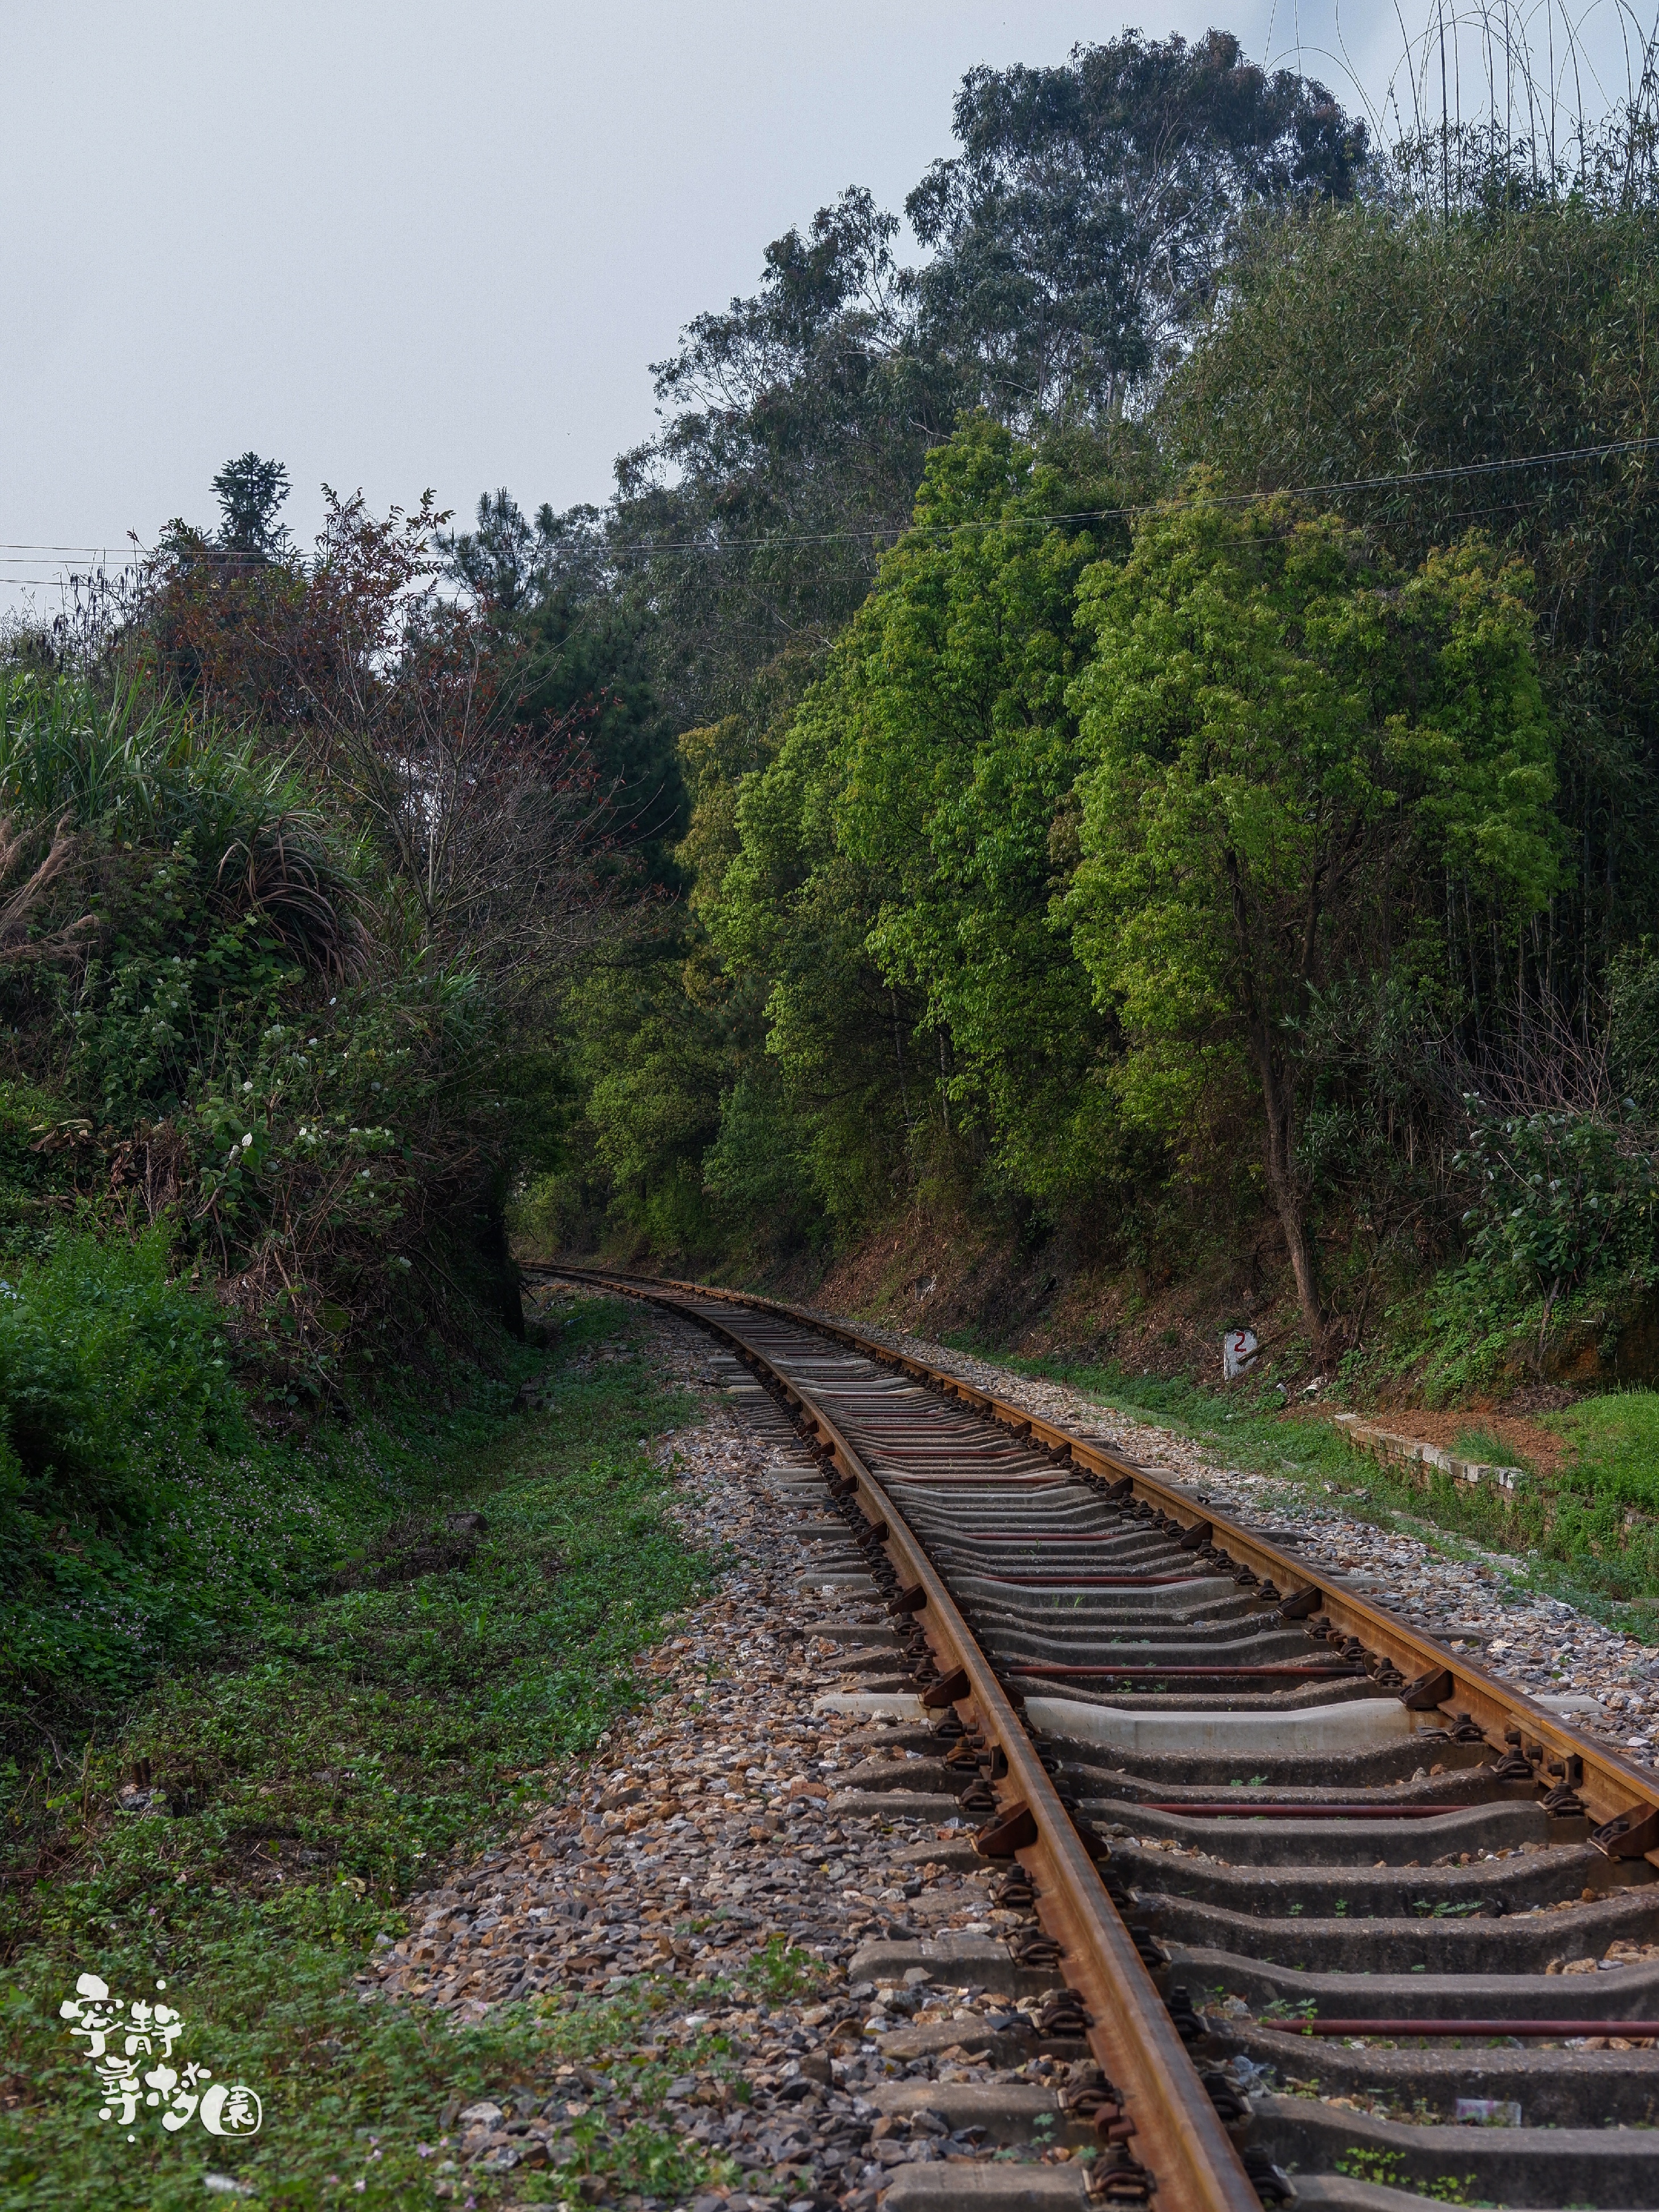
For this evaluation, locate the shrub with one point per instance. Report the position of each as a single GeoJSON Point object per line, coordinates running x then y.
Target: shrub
{"type": "Point", "coordinates": [111, 1372]}
{"type": "Point", "coordinates": [136, 1512]}
{"type": "Point", "coordinates": [1564, 1198]}
{"type": "Point", "coordinates": [323, 1114]}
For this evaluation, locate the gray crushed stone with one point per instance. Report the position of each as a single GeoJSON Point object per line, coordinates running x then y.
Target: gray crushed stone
{"type": "Point", "coordinates": [703, 1832]}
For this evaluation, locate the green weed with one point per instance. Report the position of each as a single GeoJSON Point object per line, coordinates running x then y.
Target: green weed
{"type": "Point", "coordinates": [1486, 1446]}
{"type": "Point", "coordinates": [358, 1741]}
{"type": "Point", "coordinates": [783, 1974]}
{"type": "Point", "coordinates": [1384, 2168]}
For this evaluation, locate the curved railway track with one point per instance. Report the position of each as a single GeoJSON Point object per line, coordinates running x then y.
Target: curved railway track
{"type": "Point", "coordinates": [1310, 1876]}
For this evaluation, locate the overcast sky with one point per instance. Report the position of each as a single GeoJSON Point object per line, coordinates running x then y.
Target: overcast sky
{"type": "Point", "coordinates": [396, 246]}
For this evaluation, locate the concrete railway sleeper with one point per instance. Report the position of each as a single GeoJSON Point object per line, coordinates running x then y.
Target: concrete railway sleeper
{"type": "Point", "coordinates": [1343, 1920]}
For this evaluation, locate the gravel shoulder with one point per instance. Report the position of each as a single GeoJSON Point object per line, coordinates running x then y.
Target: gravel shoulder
{"type": "Point", "coordinates": [687, 1911]}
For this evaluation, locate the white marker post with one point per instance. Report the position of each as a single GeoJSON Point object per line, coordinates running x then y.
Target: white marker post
{"type": "Point", "coordinates": [1238, 1350]}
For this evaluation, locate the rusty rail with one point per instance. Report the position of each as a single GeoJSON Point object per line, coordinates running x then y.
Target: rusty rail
{"type": "Point", "coordinates": [1175, 2129]}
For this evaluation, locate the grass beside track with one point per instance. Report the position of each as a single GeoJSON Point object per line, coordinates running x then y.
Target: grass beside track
{"type": "Point", "coordinates": [1588, 1533]}
{"type": "Point", "coordinates": [355, 1745]}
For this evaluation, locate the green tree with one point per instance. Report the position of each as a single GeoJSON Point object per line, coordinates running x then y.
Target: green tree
{"type": "Point", "coordinates": [791, 925]}
{"type": "Point", "coordinates": [958, 752]}
{"type": "Point", "coordinates": [1086, 219]}
{"type": "Point", "coordinates": [1298, 757]}
{"type": "Point", "coordinates": [649, 1065]}
{"type": "Point", "coordinates": [574, 653]}
{"type": "Point", "coordinates": [1364, 344]}
{"type": "Point", "coordinates": [896, 856]}
{"type": "Point", "coordinates": [796, 422]}
{"type": "Point", "coordinates": [251, 493]}
{"type": "Point", "coordinates": [1074, 237]}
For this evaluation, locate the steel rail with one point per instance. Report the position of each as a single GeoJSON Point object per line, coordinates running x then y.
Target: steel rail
{"type": "Point", "coordinates": [1611, 1786]}
{"type": "Point", "coordinates": [1473, 2031]}
{"type": "Point", "coordinates": [1177, 2132]}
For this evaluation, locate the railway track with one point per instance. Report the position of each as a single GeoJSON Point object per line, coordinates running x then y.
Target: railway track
{"type": "Point", "coordinates": [1305, 1880]}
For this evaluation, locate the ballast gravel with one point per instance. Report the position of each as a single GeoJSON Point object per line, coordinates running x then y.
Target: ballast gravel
{"type": "Point", "coordinates": [1596, 1680]}
{"type": "Point", "coordinates": [704, 1842]}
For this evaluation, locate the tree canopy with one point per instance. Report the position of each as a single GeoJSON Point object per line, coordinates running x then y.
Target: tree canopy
{"type": "Point", "coordinates": [1085, 222]}
{"type": "Point", "coordinates": [1073, 242]}
{"type": "Point", "coordinates": [1301, 764]}
{"type": "Point", "coordinates": [1164, 687]}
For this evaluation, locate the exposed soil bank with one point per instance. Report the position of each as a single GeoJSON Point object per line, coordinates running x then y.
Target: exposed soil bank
{"type": "Point", "coordinates": [951, 1275]}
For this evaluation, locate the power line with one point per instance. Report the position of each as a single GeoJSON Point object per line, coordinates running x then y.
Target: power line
{"type": "Point", "coordinates": [649, 547]}
{"type": "Point", "coordinates": [1326, 490]}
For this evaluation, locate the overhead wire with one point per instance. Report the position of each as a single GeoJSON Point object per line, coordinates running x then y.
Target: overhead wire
{"type": "Point", "coordinates": [713, 548]}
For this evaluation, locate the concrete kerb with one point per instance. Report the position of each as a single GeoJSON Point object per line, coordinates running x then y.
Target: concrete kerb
{"type": "Point", "coordinates": [1412, 1452]}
